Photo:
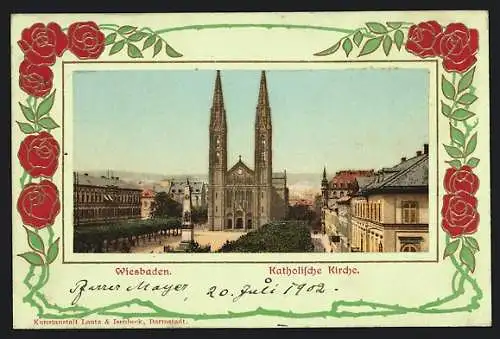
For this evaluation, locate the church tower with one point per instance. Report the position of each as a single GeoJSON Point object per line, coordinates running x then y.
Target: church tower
{"type": "Point", "coordinates": [324, 200]}
{"type": "Point", "coordinates": [217, 163]}
{"type": "Point", "coordinates": [263, 155]}
{"type": "Point", "coordinates": [324, 189]}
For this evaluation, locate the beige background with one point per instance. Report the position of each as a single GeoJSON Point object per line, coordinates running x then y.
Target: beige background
{"type": "Point", "coordinates": [408, 284]}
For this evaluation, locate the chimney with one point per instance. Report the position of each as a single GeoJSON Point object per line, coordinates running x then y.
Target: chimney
{"type": "Point", "coordinates": [403, 159]}
{"type": "Point", "coordinates": [426, 148]}
{"type": "Point", "coordinates": [419, 153]}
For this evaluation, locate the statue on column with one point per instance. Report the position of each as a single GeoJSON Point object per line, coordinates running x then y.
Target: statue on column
{"type": "Point", "coordinates": [187, 225]}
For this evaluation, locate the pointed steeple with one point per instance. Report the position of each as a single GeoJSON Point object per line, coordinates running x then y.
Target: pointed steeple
{"type": "Point", "coordinates": [263, 118]}
{"type": "Point", "coordinates": [218, 113]}
{"type": "Point", "coordinates": [324, 182]}
{"type": "Point", "coordinates": [263, 96]}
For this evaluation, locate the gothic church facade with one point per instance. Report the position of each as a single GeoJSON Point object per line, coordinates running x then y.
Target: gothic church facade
{"type": "Point", "coordinates": [242, 198]}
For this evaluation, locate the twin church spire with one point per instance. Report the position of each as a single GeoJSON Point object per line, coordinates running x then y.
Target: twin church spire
{"type": "Point", "coordinates": [218, 112]}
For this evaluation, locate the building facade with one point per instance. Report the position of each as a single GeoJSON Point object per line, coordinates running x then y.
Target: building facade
{"type": "Point", "coordinates": [344, 183]}
{"type": "Point", "coordinates": [390, 214]}
{"type": "Point", "coordinates": [104, 200]}
{"type": "Point", "coordinates": [198, 192]}
{"type": "Point", "coordinates": [241, 197]}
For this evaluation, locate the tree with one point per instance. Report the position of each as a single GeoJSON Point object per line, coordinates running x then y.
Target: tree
{"type": "Point", "coordinates": [301, 212]}
{"type": "Point", "coordinates": [199, 215]}
{"type": "Point", "coordinates": [282, 236]}
{"type": "Point", "coordinates": [164, 206]}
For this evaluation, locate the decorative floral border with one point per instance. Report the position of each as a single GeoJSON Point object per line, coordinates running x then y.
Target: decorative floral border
{"type": "Point", "coordinates": [38, 203]}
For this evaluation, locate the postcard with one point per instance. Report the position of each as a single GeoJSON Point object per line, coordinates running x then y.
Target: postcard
{"type": "Point", "coordinates": [250, 170]}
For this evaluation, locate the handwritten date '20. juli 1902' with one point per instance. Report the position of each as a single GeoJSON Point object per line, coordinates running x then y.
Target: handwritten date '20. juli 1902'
{"type": "Point", "coordinates": [297, 287]}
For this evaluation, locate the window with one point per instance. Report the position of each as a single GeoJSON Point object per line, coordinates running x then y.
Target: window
{"type": "Point", "coordinates": [409, 212]}
{"type": "Point", "coordinates": [408, 248]}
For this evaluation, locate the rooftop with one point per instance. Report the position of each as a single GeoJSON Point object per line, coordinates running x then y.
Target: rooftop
{"type": "Point", "coordinates": [83, 179]}
{"type": "Point", "coordinates": [410, 173]}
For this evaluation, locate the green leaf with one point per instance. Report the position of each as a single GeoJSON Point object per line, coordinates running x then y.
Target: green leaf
{"type": "Point", "coordinates": [453, 151]}
{"type": "Point", "coordinates": [53, 251]}
{"type": "Point", "coordinates": [126, 29]}
{"type": "Point", "coordinates": [110, 39]}
{"type": "Point", "coordinates": [467, 258]}
{"type": "Point", "coordinates": [447, 88]}
{"type": "Point", "coordinates": [376, 27]}
{"type": "Point", "coordinates": [137, 36]}
{"type": "Point", "coordinates": [48, 123]}
{"type": "Point", "coordinates": [467, 99]}
{"type": "Point", "coordinates": [329, 50]}
{"type": "Point", "coordinates": [371, 45]}
{"type": "Point", "coordinates": [398, 38]}
{"type": "Point", "coordinates": [46, 105]}
{"type": "Point", "coordinates": [466, 80]}
{"type": "Point", "coordinates": [149, 41]}
{"type": "Point", "coordinates": [473, 162]}
{"type": "Point", "coordinates": [171, 52]}
{"type": "Point", "coordinates": [394, 25]}
{"type": "Point", "coordinates": [35, 241]}
{"type": "Point", "coordinates": [357, 38]}
{"type": "Point", "coordinates": [347, 46]}
{"type": "Point", "coordinates": [27, 112]}
{"type": "Point", "coordinates": [25, 127]}
{"type": "Point", "coordinates": [387, 44]}
{"type": "Point", "coordinates": [461, 114]}
{"type": "Point", "coordinates": [457, 135]}
{"type": "Point", "coordinates": [157, 47]}
{"type": "Point", "coordinates": [445, 109]}
{"type": "Point", "coordinates": [471, 145]}
{"type": "Point", "coordinates": [133, 51]}
{"type": "Point", "coordinates": [455, 163]}
{"type": "Point", "coordinates": [451, 248]}
{"type": "Point", "coordinates": [472, 243]}
{"type": "Point", "coordinates": [32, 257]}
{"type": "Point", "coordinates": [118, 46]}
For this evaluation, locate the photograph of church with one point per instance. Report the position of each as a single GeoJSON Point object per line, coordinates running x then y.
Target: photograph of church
{"type": "Point", "coordinates": [235, 159]}
{"type": "Point", "coordinates": [241, 197]}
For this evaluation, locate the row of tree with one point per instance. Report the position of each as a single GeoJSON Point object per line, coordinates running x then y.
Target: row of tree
{"type": "Point", "coordinates": [122, 236]}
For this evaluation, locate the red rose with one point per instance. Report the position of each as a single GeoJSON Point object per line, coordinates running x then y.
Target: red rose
{"type": "Point", "coordinates": [35, 80]}
{"type": "Point", "coordinates": [41, 44]}
{"type": "Point", "coordinates": [421, 38]}
{"type": "Point", "coordinates": [462, 179]}
{"type": "Point", "coordinates": [457, 45]}
{"type": "Point", "coordinates": [86, 41]}
{"type": "Point", "coordinates": [39, 154]}
{"type": "Point", "coordinates": [39, 204]}
{"type": "Point", "coordinates": [459, 214]}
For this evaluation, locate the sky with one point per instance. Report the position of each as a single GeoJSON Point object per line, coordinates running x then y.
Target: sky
{"type": "Point", "coordinates": [156, 121]}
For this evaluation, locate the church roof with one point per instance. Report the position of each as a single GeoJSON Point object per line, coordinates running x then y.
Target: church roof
{"type": "Point", "coordinates": [240, 164]}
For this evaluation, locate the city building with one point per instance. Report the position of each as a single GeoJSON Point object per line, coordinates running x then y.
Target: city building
{"type": "Point", "coordinates": [241, 197]}
{"type": "Point", "coordinates": [147, 203]}
{"type": "Point", "coordinates": [104, 199]}
{"type": "Point", "coordinates": [198, 192]}
{"type": "Point", "coordinates": [344, 183]}
{"type": "Point", "coordinates": [390, 213]}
